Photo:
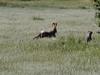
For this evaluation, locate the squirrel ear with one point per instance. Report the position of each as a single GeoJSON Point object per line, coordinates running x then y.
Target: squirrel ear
{"type": "Point", "coordinates": [53, 24]}
{"type": "Point", "coordinates": [56, 23]}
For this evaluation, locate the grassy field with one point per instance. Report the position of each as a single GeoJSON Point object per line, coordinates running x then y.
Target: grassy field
{"type": "Point", "coordinates": [62, 4]}
{"type": "Point", "coordinates": [67, 54]}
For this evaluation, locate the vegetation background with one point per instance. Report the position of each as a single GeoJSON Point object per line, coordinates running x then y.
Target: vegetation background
{"type": "Point", "coordinates": [48, 3]}
{"type": "Point", "coordinates": [67, 54]}
{"type": "Point", "coordinates": [97, 7]}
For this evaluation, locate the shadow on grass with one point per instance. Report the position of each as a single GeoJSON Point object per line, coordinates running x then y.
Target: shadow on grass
{"type": "Point", "coordinates": [38, 18]}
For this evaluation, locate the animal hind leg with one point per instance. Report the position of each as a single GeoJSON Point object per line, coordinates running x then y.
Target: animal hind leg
{"type": "Point", "coordinates": [37, 37]}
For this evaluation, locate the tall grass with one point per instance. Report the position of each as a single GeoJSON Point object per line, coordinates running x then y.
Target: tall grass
{"type": "Point", "coordinates": [54, 50]}
{"type": "Point", "coordinates": [72, 53]}
{"type": "Point", "coordinates": [70, 43]}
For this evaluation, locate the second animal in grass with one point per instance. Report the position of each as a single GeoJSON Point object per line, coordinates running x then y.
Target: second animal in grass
{"type": "Point", "coordinates": [89, 36]}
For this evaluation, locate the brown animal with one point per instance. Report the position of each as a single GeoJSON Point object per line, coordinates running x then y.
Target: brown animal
{"type": "Point", "coordinates": [48, 34]}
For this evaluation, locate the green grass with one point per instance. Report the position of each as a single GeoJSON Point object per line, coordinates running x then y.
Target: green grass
{"type": "Point", "coordinates": [71, 55]}
{"type": "Point", "coordinates": [48, 3]}
{"type": "Point", "coordinates": [67, 54]}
